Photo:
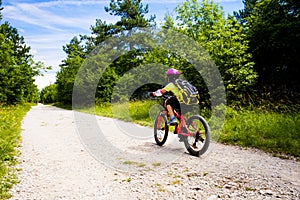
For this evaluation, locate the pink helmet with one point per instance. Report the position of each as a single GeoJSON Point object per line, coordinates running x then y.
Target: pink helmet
{"type": "Point", "coordinates": [172, 71]}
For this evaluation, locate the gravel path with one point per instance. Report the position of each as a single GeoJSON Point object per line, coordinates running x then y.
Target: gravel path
{"type": "Point", "coordinates": [56, 165]}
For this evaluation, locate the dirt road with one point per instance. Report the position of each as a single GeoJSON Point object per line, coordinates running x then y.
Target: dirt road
{"type": "Point", "coordinates": [58, 162]}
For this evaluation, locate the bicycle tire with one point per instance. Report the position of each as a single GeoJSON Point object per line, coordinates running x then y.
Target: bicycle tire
{"type": "Point", "coordinates": [161, 129]}
{"type": "Point", "coordinates": [197, 148]}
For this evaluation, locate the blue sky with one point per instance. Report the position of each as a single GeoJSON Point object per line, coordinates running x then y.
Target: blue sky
{"type": "Point", "coordinates": [47, 25]}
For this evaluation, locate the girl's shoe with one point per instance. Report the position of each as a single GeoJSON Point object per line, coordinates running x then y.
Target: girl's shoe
{"type": "Point", "coordinates": [172, 120]}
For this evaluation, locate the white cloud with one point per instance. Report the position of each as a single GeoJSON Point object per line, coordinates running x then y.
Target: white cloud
{"type": "Point", "coordinates": [49, 41]}
{"type": "Point", "coordinates": [32, 14]}
{"type": "Point", "coordinates": [59, 15]}
{"type": "Point", "coordinates": [48, 48]}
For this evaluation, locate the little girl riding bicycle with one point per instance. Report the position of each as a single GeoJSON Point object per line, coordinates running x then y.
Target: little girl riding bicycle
{"type": "Point", "coordinates": [195, 131]}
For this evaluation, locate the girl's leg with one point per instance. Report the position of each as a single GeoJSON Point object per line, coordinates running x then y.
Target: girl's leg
{"type": "Point", "coordinates": [170, 106]}
{"type": "Point", "coordinates": [170, 110]}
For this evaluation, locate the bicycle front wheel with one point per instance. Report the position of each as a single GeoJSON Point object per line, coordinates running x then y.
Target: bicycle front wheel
{"type": "Point", "coordinates": [161, 129]}
{"type": "Point", "coordinates": [197, 143]}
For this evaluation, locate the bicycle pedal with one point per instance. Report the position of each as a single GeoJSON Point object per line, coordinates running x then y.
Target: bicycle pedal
{"type": "Point", "coordinates": [201, 139]}
{"type": "Point", "coordinates": [194, 146]}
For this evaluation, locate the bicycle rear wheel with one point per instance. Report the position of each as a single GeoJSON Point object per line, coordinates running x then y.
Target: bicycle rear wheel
{"type": "Point", "coordinates": [197, 144]}
{"type": "Point", "coordinates": [161, 129]}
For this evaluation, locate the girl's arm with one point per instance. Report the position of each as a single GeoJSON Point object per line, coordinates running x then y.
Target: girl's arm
{"type": "Point", "coordinates": [157, 93]}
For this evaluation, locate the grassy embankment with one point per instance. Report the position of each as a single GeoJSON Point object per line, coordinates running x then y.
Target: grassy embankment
{"type": "Point", "coordinates": [277, 131]}
{"type": "Point", "coordinates": [271, 131]}
{"type": "Point", "coordinates": [10, 128]}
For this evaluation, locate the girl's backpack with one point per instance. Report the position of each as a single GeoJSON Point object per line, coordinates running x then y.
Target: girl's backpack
{"type": "Point", "coordinates": [188, 92]}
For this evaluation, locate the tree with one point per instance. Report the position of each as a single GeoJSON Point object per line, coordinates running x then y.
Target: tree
{"type": "Point", "coordinates": [100, 32]}
{"type": "Point", "coordinates": [66, 76]}
{"type": "Point", "coordinates": [132, 15]}
{"type": "Point", "coordinates": [49, 94]}
{"type": "Point", "coordinates": [241, 15]}
{"type": "Point", "coordinates": [17, 67]}
{"type": "Point", "coordinates": [223, 39]}
{"type": "Point", "coordinates": [272, 27]}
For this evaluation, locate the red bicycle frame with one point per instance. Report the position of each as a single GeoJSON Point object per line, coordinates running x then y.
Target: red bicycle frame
{"type": "Point", "coordinates": [182, 124]}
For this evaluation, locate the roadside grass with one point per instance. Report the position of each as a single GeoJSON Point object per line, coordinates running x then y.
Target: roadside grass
{"type": "Point", "coordinates": [275, 132]}
{"type": "Point", "coordinates": [61, 105]}
{"type": "Point", "coordinates": [137, 112]}
{"type": "Point", "coordinates": [10, 128]}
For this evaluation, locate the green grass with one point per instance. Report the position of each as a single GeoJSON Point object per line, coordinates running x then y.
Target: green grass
{"type": "Point", "coordinates": [10, 128]}
{"type": "Point", "coordinates": [273, 129]}
{"type": "Point", "coordinates": [61, 105]}
{"type": "Point", "coordinates": [137, 112]}
{"type": "Point", "coordinates": [276, 132]}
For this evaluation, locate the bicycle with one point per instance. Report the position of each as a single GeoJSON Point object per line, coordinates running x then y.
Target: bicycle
{"type": "Point", "coordinates": [193, 132]}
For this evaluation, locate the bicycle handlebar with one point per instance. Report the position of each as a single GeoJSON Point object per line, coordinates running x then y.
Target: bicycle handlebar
{"type": "Point", "coordinates": [146, 95]}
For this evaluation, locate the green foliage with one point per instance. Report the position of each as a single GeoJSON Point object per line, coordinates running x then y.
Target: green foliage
{"type": "Point", "coordinates": [223, 39]}
{"type": "Point", "coordinates": [272, 27]}
{"type": "Point", "coordinates": [101, 31]}
{"type": "Point", "coordinates": [49, 94]}
{"type": "Point", "coordinates": [226, 41]}
{"type": "Point", "coordinates": [130, 112]}
{"type": "Point", "coordinates": [10, 128]}
{"type": "Point", "coordinates": [276, 132]}
{"type": "Point", "coordinates": [106, 85]}
{"type": "Point", "coordinates": [17, 68]}
{"type": "Point", "coordinates": [132, 13]}
{"type": "Point", "coordinates": [65, 78]}
{"type": "Point", "coordinates": [133, 111]}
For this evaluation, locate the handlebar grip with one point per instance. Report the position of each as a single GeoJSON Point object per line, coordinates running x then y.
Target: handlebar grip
{"type": "Point", "coordinates": [150, 94]}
